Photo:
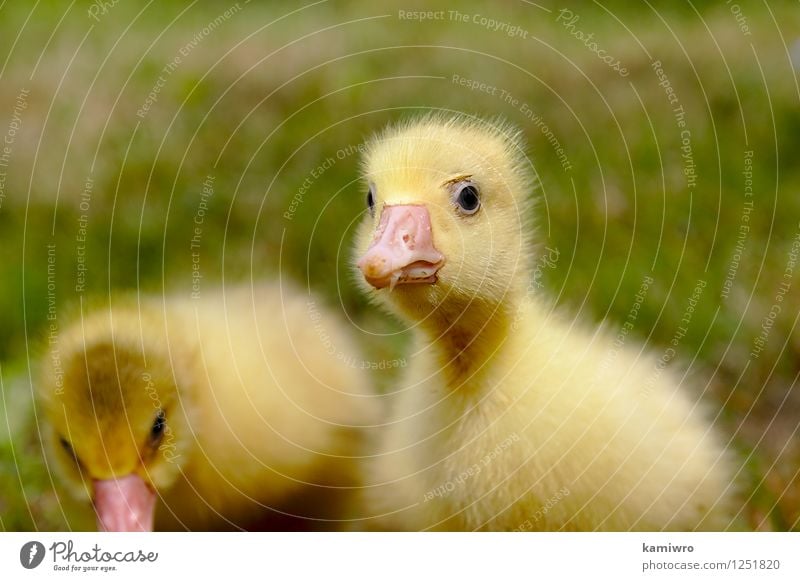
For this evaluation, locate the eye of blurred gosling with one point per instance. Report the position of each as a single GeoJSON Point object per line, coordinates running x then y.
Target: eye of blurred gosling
{"type": "Point", "coordinates": [69, 449]}
{"type": "Point", "coordinates": [67, 446]}
{"type": "Point", "coordinates": [467, 199]}
{"type": "Point", "coordinates": [371, 202]}
{"type": "Point", "coordinates": [159, 424]}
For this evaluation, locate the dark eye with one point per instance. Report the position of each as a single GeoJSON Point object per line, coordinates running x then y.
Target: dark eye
{"type": "Point", "coordinates": [371, 202]}
{"type": "Point", "coordinates": [69, 449]}
{"type": "Point", "coordinates": [159, 424]}
{"type": "Point", "coordinates": [67, 446]}
{"type": "Point", "coordinates": [467, 199]}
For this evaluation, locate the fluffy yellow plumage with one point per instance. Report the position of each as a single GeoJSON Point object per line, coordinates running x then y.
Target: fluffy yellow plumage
{"type": "Point", "coordinates": [230, 408]}
{"type": "Point", "coordinates": [510, 417]}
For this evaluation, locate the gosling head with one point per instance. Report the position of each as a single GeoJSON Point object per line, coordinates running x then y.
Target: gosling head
{"type": "Point", "coordinates": [115, 424]}
{"type": "Point", "coordinates": [448, 215]}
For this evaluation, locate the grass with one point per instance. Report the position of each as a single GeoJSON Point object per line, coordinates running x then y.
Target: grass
{"type": "Point", "coordinates": [259, 105]}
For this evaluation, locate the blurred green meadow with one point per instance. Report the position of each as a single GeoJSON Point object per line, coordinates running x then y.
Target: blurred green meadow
{"type": "Point", "coordinates": [171, 147]}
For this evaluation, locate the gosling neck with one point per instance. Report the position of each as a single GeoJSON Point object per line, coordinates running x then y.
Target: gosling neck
{"type": "Point", "coordinates": [467, 338]}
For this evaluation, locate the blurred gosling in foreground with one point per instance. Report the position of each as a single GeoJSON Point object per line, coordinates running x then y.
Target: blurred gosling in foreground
{"type": "Point", "coordinates": [219, 413]}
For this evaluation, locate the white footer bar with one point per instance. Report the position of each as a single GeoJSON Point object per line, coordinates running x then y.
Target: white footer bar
{"type": "Point", "coordinates": [387, 556]}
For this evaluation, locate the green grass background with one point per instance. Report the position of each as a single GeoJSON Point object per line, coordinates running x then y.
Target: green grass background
{"type": "Point", "coordinates": [277, 88]}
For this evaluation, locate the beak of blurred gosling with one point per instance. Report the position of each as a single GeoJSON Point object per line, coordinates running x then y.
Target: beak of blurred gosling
{"type": "Point", "coordinates": [124, 504]}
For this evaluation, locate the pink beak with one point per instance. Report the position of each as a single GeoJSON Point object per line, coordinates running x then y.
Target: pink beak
{"type": "Point", "coordinates": [124, 504]}
{"type": "Point", "coordinates": [402, 251]}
